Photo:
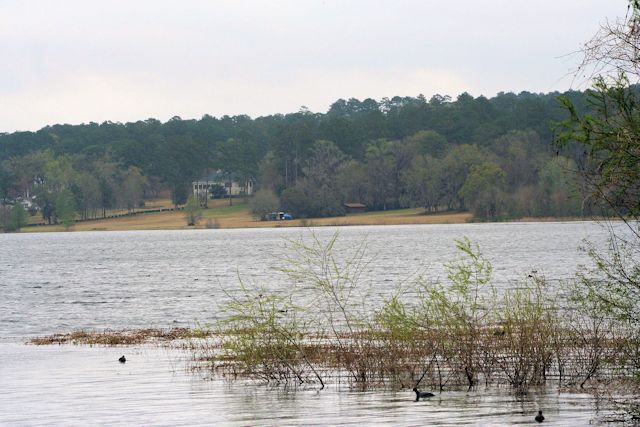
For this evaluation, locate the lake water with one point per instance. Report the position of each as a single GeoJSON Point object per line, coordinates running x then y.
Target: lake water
{"type": "Point", "coordinates": [58, 282]}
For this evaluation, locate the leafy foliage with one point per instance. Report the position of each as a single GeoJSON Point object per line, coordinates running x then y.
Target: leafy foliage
{"type": "Point", "coordinates": [264, 202]}
{"type": "Point", "coordinates": [65, 208]}
{"type": "Point", "coordinates": [609, 137]}
{"type": "Point", "coordinates": [393, 153]}
{"type": "Point", "coordinates": [320, 325]}
{"type": "Point", "coordinates": [192, 210]}
{"type": "Point", "coordinates": [217, 191]}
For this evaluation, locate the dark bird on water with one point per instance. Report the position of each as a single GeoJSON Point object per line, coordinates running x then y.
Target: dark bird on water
{"type": "Point", "coordinates": [422, 394]}
{"type": "Point", "coordinates": [539, 418]}
{"type": "Point", "coordinates": [122, 359]}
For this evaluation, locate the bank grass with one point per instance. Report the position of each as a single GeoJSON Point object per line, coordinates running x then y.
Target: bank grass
{"type": "Point", "coordinates": [167, 220]}
{"type": "Point", "coordinates": [151, 221]}
{"type": "Point", "coordinates": [220, 214]}
{"type": "Point", "coordinates": [239, 216]}
{"type": "Point", "coordinates": [149, 205]}
{"type": "Point", "coordinates": [395, 217]}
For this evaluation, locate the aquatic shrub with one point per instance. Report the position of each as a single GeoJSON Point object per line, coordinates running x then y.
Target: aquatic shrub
{"type": "Point", "coordinates": [610, 289]}
{"type": "Point", "coordinates": [409, 346]}
{"type": "Point", "coordinates": [597, 339]}
{"type": "Point", "coordinates": [528, 328]}
{"type": "Point", "coordinates": [264, 337]}
{"type": "Point", "coordinates": [460, 309]}
{"type": "Point", "coordinates": [336, 300]}
{"type": "Point", "coordinates": [318, 325]}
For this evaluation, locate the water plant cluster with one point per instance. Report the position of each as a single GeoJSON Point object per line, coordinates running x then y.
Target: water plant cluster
{"type": "Point", "coordinates": [124, 337]}
{"type": "Point", "coordinates": [319, 328]}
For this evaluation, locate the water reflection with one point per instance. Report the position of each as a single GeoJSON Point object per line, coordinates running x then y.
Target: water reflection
{"type": "Point", "coordinates": [76, 385]}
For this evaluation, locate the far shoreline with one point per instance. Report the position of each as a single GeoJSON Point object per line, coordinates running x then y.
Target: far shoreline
{"type": "Point", "coordinates": [222, 216]}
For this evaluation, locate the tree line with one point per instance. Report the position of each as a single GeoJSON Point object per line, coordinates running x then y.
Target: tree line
{"type": "Point", "coordinates": [493, 156]}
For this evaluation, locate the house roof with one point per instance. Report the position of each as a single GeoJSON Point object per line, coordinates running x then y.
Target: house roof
{"type": "Point", "coordinates": [220, 176]}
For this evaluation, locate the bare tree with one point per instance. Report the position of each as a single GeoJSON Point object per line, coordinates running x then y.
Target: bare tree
{"type": "Point", "coordinates": [615, 48]}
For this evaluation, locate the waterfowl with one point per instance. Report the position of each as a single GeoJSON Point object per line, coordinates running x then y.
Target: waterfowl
{"type": "Point", "coordinates": [539, 418]}
{"type": "Point", "coordinates": [122, 359]}
{"type": "Point", "coordinates": [422, 394]}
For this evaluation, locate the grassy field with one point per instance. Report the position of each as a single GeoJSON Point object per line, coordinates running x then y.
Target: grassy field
{"type": "Point", "coordinates": [221, 215]}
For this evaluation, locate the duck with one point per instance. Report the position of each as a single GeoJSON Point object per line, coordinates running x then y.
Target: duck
{"type": "Point", "coordinates": [539, 418]}
{"type": "Point", "coordinates": [122, 359]}
{"type": "Point", "coordinates": [422, 394]}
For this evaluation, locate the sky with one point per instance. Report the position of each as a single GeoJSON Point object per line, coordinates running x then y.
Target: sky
{"type": "Point", "coordinates": [94, 61]}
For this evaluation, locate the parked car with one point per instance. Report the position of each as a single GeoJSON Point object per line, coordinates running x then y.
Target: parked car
{"type": "Point", "coordinates": [278, 216]}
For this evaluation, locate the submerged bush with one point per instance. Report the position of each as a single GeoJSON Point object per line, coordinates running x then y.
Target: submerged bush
{"type": "Point", "coordinates": [528, 329]}
{"type": "Point", "coordinates": [318, 324]}
{"type": "Point", "coordinates": [264, 337]}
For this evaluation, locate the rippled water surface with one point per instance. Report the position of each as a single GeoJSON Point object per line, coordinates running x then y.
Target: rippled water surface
{"type": "Point", "coordinates": [59, 282]}
{"type": "Point", "coordinates": [72, 386]}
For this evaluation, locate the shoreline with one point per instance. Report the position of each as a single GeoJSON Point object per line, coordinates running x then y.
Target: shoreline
{"type": "Point", "coordinates": [238, 216]}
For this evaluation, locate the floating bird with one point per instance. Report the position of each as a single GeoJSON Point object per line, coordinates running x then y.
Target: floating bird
{"type": "Point", "coordinates": [122, 359]}
{"type": "Point", "coordinates": [539, 418]}
{"type": "Point", "coordinates": [422, 394]}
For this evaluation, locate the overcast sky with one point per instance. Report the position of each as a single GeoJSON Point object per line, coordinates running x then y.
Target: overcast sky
{"type": "Point", "coordinates": [81, 61]}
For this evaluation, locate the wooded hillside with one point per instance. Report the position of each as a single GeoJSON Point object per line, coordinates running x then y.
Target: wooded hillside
{"type": "Point", "coordinates": [493, 156]}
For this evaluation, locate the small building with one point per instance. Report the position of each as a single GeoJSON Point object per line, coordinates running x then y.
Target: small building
{"type": "Point", "coordinates": [354, 207]}
{"type": "Point", "coordinates": [231, 185]}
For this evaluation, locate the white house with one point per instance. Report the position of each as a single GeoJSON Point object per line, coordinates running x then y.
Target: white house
{"type": "Point", "coordinates": [230, 182]}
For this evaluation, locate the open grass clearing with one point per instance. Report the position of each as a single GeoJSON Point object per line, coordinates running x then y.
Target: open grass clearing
{"type": "Point", "coordinates": [222, 215]}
